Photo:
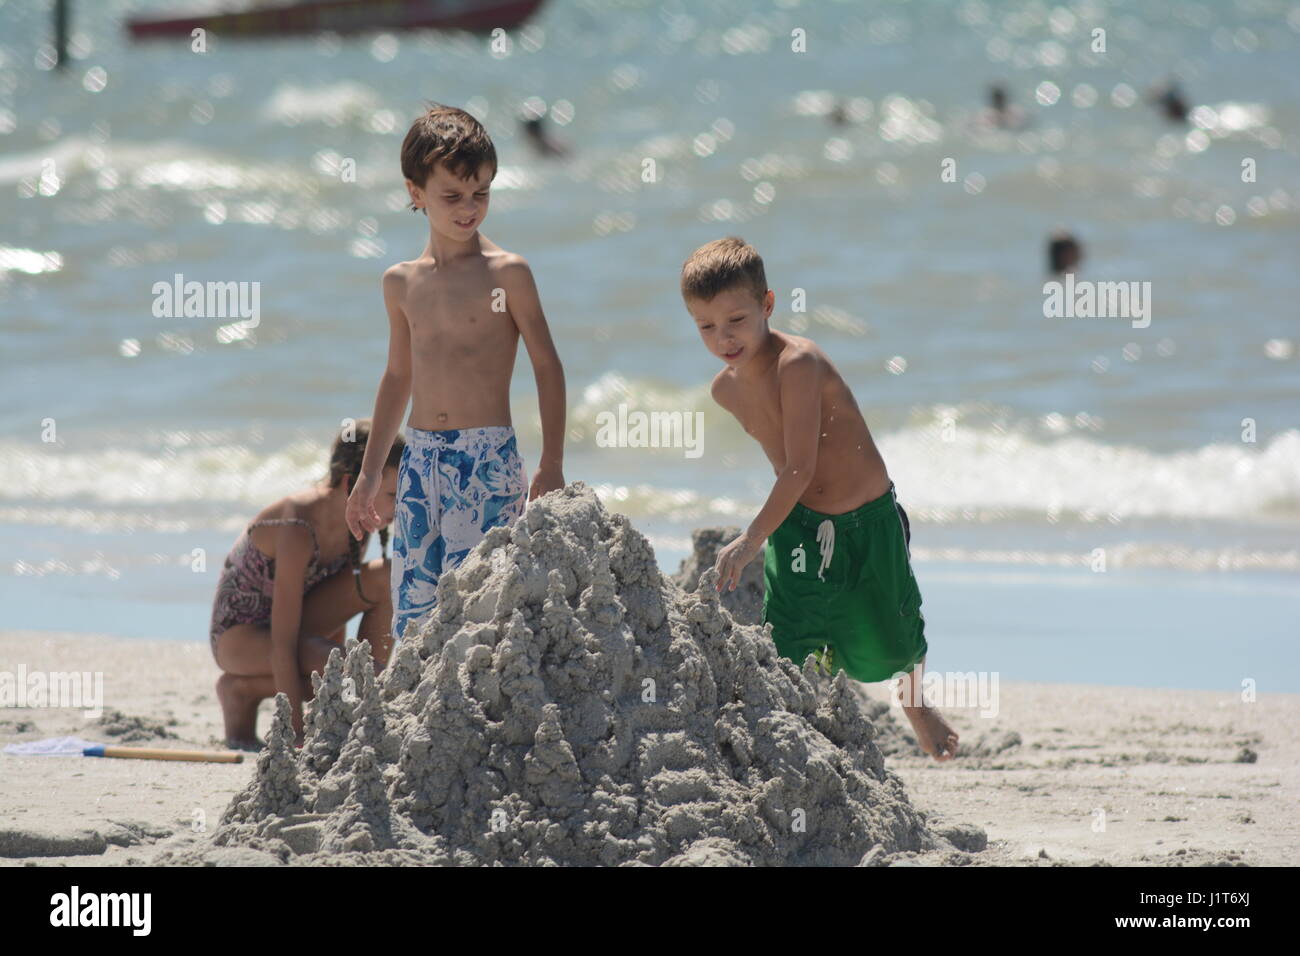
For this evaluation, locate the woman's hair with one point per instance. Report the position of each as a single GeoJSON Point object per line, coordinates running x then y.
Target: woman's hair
{"type": "Point", "coordinates": [346, 455]}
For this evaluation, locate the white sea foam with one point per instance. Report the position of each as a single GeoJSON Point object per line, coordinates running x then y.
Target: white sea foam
{"type": "Point", "coordinates": [331, 104]}
{"type": "Point", "coordinates": [65, 153]}
{"type": "Point", "coordinates": [982, 475]}
{"type": "Point", "coordinates": [1015, 472]}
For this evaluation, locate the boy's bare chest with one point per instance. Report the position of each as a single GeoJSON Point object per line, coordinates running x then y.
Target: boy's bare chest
{"type": "Point", "coordinates": [456, 309]}
{"type": "Point", "coordinates": [759, 413]}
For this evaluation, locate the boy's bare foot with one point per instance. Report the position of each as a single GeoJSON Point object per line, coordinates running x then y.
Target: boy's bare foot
{"type": "Point", "coordinates": [933, 733]}
{"type": "Point", "coordinates": [239, 710]}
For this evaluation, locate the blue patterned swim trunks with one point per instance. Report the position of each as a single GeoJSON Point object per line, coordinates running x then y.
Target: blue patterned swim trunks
{"type": "Point", "coordinates": [453, 486]}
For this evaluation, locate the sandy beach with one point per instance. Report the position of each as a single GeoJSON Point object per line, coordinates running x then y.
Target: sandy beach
{"type": "Point", "coordinates": [1185, 778]}
{"type": "Point", "coordinates": [1042, 249]}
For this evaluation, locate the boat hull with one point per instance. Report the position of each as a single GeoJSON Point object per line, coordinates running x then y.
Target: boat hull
{"type": "Point", "coordinates": [343, 17]}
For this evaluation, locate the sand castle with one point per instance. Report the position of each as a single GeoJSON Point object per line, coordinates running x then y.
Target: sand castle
{"type": "Point", "coordinates": [568, 704]}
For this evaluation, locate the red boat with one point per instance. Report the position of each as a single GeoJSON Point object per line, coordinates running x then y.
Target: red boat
{"type": "Point", "coordinates": [343, 16]}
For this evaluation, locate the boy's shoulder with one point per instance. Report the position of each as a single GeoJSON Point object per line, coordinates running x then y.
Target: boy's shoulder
{"type": "Point", "coordinates": [799, 355]}
{"type": "Point", "coordinates": [799, 360]}
{"type": "Point", "coordinates": [503, 260]}
{"type": "Point", "coordinates": [398, 273]}
{"type": "Point", "coordinates": [724, 386]}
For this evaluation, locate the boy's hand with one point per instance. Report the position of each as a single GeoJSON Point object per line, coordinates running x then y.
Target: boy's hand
{"type": "Point", "coordinates": [544, 480]}
{"type": "Point", "coordinates": [362, 518]}
{"type": "Point", "coordinates": [732, 560]}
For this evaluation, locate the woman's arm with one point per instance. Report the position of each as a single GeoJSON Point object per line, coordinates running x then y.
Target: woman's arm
{"type": "Point", "coordinates": [293, 549]}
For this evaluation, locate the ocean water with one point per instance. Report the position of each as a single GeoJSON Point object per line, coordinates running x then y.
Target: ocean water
{"type": "Point", "coordinates": [1030, 451]}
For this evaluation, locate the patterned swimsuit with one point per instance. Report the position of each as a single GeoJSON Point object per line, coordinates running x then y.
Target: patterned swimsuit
{"type": "Point", "coordinates": [453, 486]}
{"type": "Point", "coordinates": [248, 581]}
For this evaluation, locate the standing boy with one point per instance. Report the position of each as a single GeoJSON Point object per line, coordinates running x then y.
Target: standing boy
{"type": "Point", "coordinates": [837, 569]}
{"type": "Point", "coordinates": [455, 316]}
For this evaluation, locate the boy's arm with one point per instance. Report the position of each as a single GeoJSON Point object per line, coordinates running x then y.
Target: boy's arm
{"type": "Point", "coordinates": [800, 383]}
{"type": "Point", "coordinates": [526, 309]}
{"type": "Point", "coordinates": [390, 405]}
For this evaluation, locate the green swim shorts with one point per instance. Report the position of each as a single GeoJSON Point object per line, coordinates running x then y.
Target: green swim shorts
{"type": "Point", "coordinates": [844, 583]}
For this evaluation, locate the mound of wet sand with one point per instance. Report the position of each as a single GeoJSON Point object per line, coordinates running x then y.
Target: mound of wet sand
{"type": "Point", "coordinates": [567, 704]}
{"type": "Point", "coordinates": [745, 604]}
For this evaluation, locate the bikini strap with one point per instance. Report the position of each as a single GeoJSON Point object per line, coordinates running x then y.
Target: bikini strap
{"type": "Point", "coordinates": [302, 521]}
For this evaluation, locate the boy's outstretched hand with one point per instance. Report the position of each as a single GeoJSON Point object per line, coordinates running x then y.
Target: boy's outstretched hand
{"type": "Point", "coordinates": [732, 560]}
{"type": "Point", "coordinates": [544, 480]}
{"type": "Point", "coordinates": [361, 516]}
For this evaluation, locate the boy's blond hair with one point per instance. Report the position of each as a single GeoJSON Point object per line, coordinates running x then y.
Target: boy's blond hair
{"type": "Point", "coordinates": [721, 265]}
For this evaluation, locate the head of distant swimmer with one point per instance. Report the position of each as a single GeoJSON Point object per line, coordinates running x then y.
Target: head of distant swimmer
{"type": "Point", "coordinates": [449, 163]}
{"type": "Point", "coordinates": [346, 456]}
{"type": "Point", "coordinates": [725, 290]}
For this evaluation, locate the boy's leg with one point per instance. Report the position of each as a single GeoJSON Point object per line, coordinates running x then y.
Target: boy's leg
{"type": "Point", "coordinates": [883, 628]}
{"type": "Point", "coordinates": [490, 490]}
{"type": "Point", "coordinates": [417, 544]}
{"type": "Point", "coordinates": [793, 595]}
{"type": "Point", "coordinates": [847, 595]}
{"type": "Point", "coordinates": [875, 625]}
{"type": "Point", "coordinates": [933, 733]}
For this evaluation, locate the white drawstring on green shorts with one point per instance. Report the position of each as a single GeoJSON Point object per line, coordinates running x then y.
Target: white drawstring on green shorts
{"type": "Point", "coordinates": [825, 541]}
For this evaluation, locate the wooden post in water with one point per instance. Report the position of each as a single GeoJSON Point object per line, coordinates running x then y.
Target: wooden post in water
{"type": "Point", "coordinates": [60, 33]}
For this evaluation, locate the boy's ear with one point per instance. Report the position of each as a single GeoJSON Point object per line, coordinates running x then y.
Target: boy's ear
{"type": "Point", "coordinates": [416, 194]}
{"type": "Point", "coordinates": [769, 300]}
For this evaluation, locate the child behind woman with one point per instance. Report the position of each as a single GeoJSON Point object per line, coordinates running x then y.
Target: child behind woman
{"type": "Point", "coordinates": [290, 584]}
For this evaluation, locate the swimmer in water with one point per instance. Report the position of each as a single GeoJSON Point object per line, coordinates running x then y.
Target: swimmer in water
{"type": "Point", "coordinates": [1001, 113]}
{"type": "Point", "coordinates": [540, 139]}
{"type": "Point", "coordinates": [1063, 252]}
{"type": "Point", "coordinates": [1169, 99]}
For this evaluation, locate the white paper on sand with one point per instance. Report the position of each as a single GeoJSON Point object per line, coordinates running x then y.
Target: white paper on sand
{"type": "Point", "coordinates": [51, 747]}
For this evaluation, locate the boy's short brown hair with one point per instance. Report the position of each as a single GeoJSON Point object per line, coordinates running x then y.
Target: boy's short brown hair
{"type": "Point", "coordinates": [447, 135]}
{"type": "Point", "coordinates": [721, 265]}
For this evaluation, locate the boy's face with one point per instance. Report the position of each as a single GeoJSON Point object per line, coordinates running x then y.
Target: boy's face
{"type": "Point", "coordinates": [455, 207]}
{"type": "Point", "coordinates": [733, 323]}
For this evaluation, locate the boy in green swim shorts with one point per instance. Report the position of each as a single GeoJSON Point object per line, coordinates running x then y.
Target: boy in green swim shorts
{"type": "Point", "coordinates": [837, 568]}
